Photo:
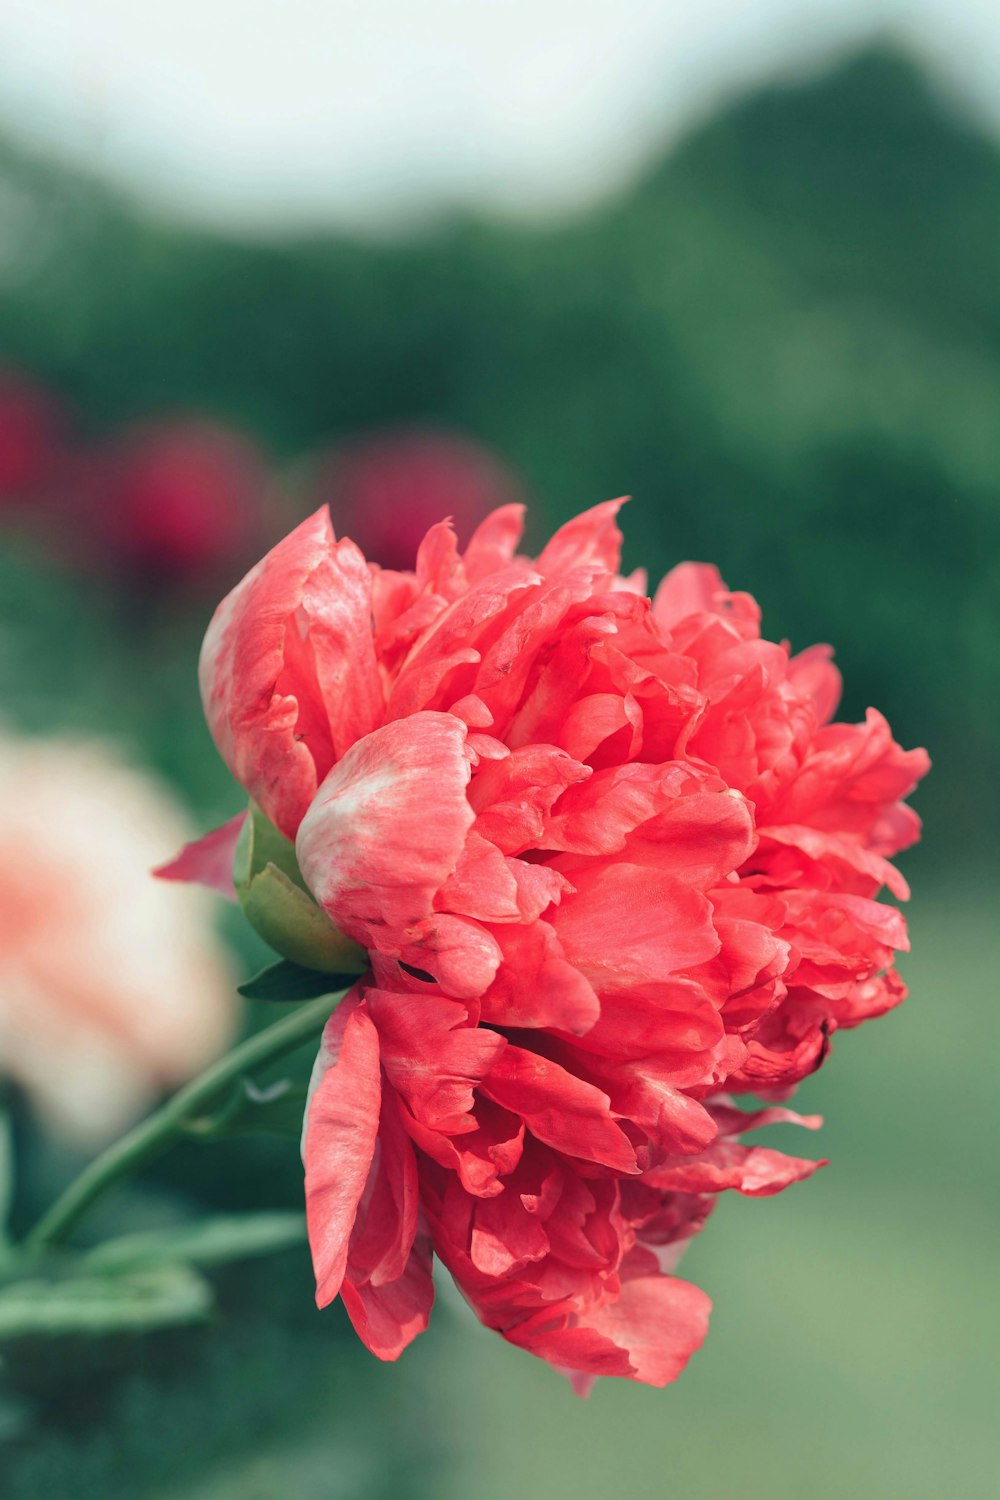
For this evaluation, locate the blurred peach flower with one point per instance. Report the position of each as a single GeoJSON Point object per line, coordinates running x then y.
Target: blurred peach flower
{"type": "Point", "coordinates": [112, 985]}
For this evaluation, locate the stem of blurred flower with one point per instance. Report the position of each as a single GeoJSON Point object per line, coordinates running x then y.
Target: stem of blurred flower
{"type": "Point", "coordinates": [159, 1131]}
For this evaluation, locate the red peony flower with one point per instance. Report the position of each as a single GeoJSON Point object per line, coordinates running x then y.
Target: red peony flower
{"type": "Point", "coordinates": [613, 866]}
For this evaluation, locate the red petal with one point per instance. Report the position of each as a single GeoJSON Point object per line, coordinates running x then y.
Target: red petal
{"type": "Point", "coordinates": [512, 797]}
{"type": "Point", "coordinates": [432, 1055]}
{"type": "Point", "coordinates": [341, 1129]}
{"type": "Point", "coordinates": [660, 1321]}
{"type": "Point", "coordinates": [813, 673]}
{"type": "Point", "coordinates": [388, 825]}
{"type": "Point", "coordinates": [535, 986]}
{"type": "Point", "coordinates": [647, 1333]}
{"type": "Point", "coordinates": [388, 1317]}
{"type": "Point", "coordinates": [288, 671]}
{"type": "Point", "coordinates": [494, 542]}
{"type": "Point", "coordinates": [559, 1109]}
{"type": "Point", "coordinates": [386, 1222]}
{"type": "Point", "coordinates": [208, 860]}
{"type": "Point", "coordinates": [689, 589]}
{"type": "Point", "coordinates": [629, 924]}
{"type": "Point", "coordinates": [590, 538]}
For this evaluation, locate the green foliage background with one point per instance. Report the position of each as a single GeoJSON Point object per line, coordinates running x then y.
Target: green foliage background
{"type": "Point", "coordinates": [784, 341]}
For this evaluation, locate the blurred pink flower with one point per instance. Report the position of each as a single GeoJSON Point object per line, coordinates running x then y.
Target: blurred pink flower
{"type": "Point", "coordinates": [32, 432]}
{"type": "Point", "coordinates": [173, 499]}
{"type": "Point", "coordinates": [112, 985]}
{"type": "Point", "coordinates": [386, 491]}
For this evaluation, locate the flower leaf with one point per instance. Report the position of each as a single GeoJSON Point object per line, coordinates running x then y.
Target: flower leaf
{"type": "Point", "coordinates": [287, 981]}
{"type": "Point", "coordinates": [207, 1242]}
{"type": "Point", "coordinates": [159, 1296]}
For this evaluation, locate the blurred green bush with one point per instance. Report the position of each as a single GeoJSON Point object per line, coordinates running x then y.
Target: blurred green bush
{"type": "Point", "coordinates": [784, 341]}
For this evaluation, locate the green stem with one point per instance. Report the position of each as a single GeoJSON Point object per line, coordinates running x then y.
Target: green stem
{"type": "Point", "coordinates": [156, 1133]}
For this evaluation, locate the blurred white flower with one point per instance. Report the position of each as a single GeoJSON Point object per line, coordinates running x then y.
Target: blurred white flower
{"type": "Point", "coordinates": [112, 984]}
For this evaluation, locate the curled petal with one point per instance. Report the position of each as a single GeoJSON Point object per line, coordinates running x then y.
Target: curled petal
{"type": "Point", "coordinates": [813, 673]}
{"type": "Point", "coordinates": [494, 542]}
{"type": "Point", "coordinates": [388, 825]}
{"type": "Point", "coordinates": [513, 797]}
{"type": "Point", "coordinates": [559, 1108]}
{"type": "Point", "coordinates": [589, 539]}
{"type": "Point", "coordinates": [755, 1171]}
{"type": "Point", "coordinates": [208, 860]}
{"type": "Point", "coordinates": [388, 1316]}
{"type": "Point", "coordinates": [536, 986]}
{"type": "Point", "coordinates": [689, 589]}
{"type": "Point", "coordinates": [647, 1333]}
{"type": "Point", "coordinates": [288, 672]}
{"type": "Point", "coordinates": [387, 1288]}
{"type": "Point", "coordinates": [339, 1142]}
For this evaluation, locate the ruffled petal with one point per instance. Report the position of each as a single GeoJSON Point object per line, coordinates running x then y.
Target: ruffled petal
{"type": "Point", "coordinates": [627, 924]}
{"type": "Point", "coordinates": [433, 1056]}
{"type": "Point", "coordinates": [647, 1333]}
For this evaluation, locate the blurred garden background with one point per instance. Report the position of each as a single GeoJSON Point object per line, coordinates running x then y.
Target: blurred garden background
{"type": "Point", "coordinates": [781, 336]}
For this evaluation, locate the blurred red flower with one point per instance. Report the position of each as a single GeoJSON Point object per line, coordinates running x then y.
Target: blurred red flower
{"type": "Point", "coordinates": [32, 433]}
{"type": "Point", "coordinates": [386, 491]}
{"type": "Point", "coordinates": [174, 499]}
{"type": "Point", "coordinates": [613, 866]}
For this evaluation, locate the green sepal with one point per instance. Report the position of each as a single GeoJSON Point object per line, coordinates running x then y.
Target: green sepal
{"type": "Point", "coordinates": [277, 904]}
{"type": "Point", "coordinates": [294, 926]}
{"type": "Point", "coordinates": [261, 844]}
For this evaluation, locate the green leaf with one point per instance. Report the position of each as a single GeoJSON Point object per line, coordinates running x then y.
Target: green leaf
{"type": "Point", "coordinates": [208, 1242]}
{"type": "Point", "coordinates": [158, 1297]}
{"type": "Point", "coordinates": [287, 981]}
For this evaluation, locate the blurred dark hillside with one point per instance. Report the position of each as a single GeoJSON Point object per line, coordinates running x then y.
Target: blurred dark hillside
{"type": "Point", "coordinates": [784, 342]}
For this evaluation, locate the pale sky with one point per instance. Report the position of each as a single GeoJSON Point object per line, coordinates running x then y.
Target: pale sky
{"type": "Point", "coordinates": [263, 113]}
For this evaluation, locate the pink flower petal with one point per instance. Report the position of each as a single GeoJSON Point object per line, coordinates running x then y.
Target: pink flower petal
{"type": "Point", "coordinates": [388, 825]}
{"type": "Point", "coordinates": [209, 860]}
{"type": "Point", "coordinates": [288, 672]}
{"type": "Point", "coordinates": [342, 1124]}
